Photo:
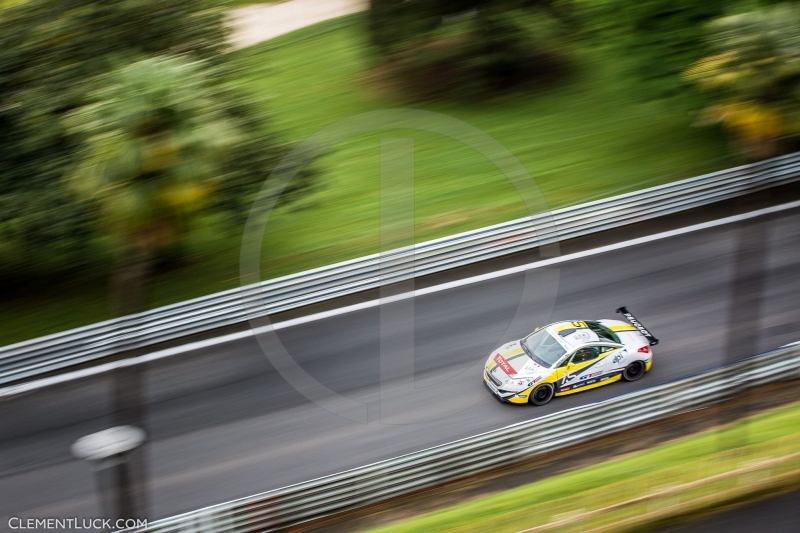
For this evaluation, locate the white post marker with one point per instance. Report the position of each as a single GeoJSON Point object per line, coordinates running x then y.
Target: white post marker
{"type": "Point", "coordinates": [108, 452]}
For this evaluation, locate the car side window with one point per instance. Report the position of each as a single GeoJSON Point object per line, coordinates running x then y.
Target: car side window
{"type": "Point", "coordinates": [586, 353]}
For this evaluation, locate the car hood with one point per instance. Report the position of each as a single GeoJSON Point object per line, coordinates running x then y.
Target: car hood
{"type": "Point", "coordinates": [511, 361]}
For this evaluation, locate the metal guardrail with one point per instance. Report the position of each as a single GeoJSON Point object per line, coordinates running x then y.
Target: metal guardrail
{"type": "Point", "coordinates": [393, 478]}
{"type": "Point", "coordinates": [32, 358]}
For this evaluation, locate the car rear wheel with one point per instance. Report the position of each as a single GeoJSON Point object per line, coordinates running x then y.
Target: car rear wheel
{"type": "Point", "coordinates": [542, 394]}
{"type": "Point", "coordinates": [633, 371]}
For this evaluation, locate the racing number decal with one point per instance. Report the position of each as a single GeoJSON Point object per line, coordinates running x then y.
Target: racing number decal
{"type": "Point", "coordinates": [580, 325]}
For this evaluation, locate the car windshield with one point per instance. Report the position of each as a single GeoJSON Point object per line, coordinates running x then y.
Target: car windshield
{"type": "Point", "coordinates": [543, 348]}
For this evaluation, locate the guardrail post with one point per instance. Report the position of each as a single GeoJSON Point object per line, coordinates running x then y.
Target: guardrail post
{"type": "Point", "coordinates": [744, 310]}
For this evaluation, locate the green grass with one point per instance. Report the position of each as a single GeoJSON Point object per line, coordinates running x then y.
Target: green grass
{"type": "Point", "coordinates": [763, 437]}
{"type": "Point", "coordinates": [592, 136]}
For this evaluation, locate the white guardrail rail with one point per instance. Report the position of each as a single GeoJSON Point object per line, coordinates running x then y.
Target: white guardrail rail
{"type": "Point", "coordinates": [38, 356]}
{"type": "Point", "coordinates": [408, 474]}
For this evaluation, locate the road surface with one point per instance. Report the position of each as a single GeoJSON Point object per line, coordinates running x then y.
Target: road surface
{"type": "Point", "coordinates": [261, 22]}
{"type": "Point", "coordinates": [224, 424]}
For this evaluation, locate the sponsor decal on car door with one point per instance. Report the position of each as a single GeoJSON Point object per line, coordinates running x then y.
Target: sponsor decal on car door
{"type": "Point", "coordinates": [584, 373]}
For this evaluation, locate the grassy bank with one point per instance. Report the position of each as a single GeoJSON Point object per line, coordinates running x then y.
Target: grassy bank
{"type": "Point", "coordinates": [589, 137]}
{"type": "Point", "coordinates": [658, 484]}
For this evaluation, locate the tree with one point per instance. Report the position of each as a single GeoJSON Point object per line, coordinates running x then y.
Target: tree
{"type": "Point", "coordinates": [50, 51]}
{"type": "Point", "coordinates": [396, 24]}
{"type": "Point", "coordinates": [660, 38]}
{"type": "Point", "coordinates": [151, 147]}
{"type": "Point", "coordinates": [753, 74]}
{"type": "Point", "coordinates": [472, 48]}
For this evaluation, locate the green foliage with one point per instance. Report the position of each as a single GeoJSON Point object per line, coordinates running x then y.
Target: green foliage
{"type": "Point", "coordinates": [50, 50]}
{"type": "Point", "coordinates": [249, 162]}
{"type": "Point", "coordinates": [392, 23]}
{"type": "Point", "coordinates": [56, 60]}
{"type": "Point", "coordinates": [508, 47]}
{"type": "Point", "coordinates": [677, 464]}
{"type": "Point", "coordinates": [466, 49]}
{"type": "Point", "coordinates": [151, 143]}
{"type": "Point", "coordinates": [661, 38]}
{"type": "Point", "coordinates": [580, 141]}
{"type": "Point", "coordinates": [753, 75]}
{"type": "Point", "coordinates": [396, 24]}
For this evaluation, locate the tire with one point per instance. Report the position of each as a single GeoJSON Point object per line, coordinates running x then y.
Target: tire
{"type": "Point", "coordinates": [633, 371]}
{"type": "Point", "coordinates": [542, 394]}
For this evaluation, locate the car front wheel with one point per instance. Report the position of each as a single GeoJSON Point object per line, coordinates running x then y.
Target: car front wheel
{"type": "Point", "coordinates": [542, 394]}
{"type": "Point", "coordinates": [633, 371]}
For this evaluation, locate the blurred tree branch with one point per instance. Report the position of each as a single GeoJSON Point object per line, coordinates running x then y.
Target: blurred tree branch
{"type": "Point", "coordinates": [56, 112]}
{"type": "Point", "coordinates": [753, 75]}
{"type": "Point", "coordinates": [50, 51]}
{"type": "Point", "coordinates": [151, 149]}
{"type": "Point", "coordinates": [659, 38]}
{"type": "Point", "coordinates": [467, 49]}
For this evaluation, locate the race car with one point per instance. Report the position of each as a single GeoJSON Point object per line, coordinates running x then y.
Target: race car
{"type": "Point", "coordinates": [569, 356]}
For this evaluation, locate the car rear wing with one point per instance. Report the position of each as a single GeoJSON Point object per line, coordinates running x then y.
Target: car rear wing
{"type": "Point", "coordinates": [638, 325]}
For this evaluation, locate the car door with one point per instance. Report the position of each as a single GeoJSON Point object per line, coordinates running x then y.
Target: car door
{"type": "Point", "coordinates": [585, 366]}
{"type": "Point", "coordinates": [604, 365]}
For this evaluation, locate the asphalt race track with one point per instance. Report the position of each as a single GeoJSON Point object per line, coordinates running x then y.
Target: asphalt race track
{"type": "Point", "coordinates": [224, 424]}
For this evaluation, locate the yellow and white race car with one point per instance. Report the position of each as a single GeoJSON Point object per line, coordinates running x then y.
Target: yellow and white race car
{"type": "Point", "coordinates": [569, 356]}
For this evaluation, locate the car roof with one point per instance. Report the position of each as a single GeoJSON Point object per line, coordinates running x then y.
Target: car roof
{"type": "Point", "coordinates": [572, 334]}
